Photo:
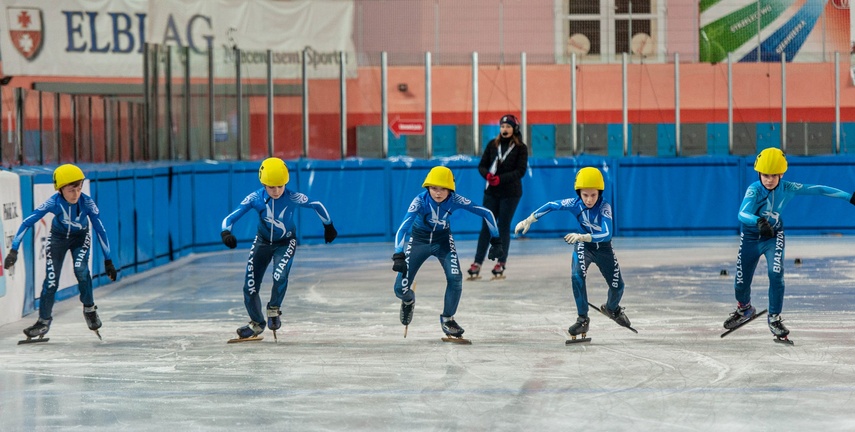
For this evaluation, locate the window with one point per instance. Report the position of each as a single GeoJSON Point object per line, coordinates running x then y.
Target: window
{"type": "Point", "coordinates": [602, 30]}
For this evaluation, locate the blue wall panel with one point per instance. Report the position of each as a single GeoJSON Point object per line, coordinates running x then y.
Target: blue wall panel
{"type": "Point", "coordinates": [666, 139]}
{"type": "Point", "coordinates": [162, 184]}
{"type": "Point", "coordinates": [397, 145]}
{"type": "Point", "coordinates": [212, 201]}
{"type": "Point", "coordinates": [847, 138]}
{"type": "Point", "coordinates": [127, 234]}
{"type": "Point", "coordinates": [768, 135]}
{"type": "Point", "coordinates": [615, 140]}
{"type": "Point", "coordinates": [717, 139]}
{"type": "Point", "coordinates": [444, 140]}
{"type": "Point", "coordinates": [542, 140]}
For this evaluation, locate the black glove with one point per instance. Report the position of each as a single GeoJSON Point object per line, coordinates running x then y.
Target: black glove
{"type": "Point", "coordinates": [766, 230]}
{"type": "Point", "coordinates": [330, 233]}
{"type": "Point", "coordinates": [496, 250]}
{"type": "Point", "coordinates": [11, 258]}
{"type": "Point", "coordinates": [400, 264]}
{"type": "Point", "coordinates": [228, 239]}
{"type": "Point", "coordinates": [852, 200]}
{"type": "Point", "coordinates": [110, 269]}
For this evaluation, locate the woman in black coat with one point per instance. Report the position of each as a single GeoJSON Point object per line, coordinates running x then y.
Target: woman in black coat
{"type": "Point", "coordinates": [503, 165]}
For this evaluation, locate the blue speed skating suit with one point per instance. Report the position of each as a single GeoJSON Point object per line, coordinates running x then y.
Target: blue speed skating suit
{"type": "Point", "coordinates": [69, 231]}
{"type": "Point", "coordinates": [425, 232]}
{"type": "Point", "coordinates": [769, 204]}
{"type": "Point", "coordinates": [275, 241]}
{"type": "Point", "coordinates": [596, 221]}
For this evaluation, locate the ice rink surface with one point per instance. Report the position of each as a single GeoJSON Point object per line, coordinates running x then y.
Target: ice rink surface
{"type": "Point", "coordinates": [342, 363]}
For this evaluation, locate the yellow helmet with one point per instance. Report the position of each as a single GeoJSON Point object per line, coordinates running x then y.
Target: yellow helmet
{"type": "Point", "coordinates": [771, 161]}
{"type": "Point", "coordinates": [441, 177]}
{"type": "Point", "coordinates": [66, 174]}
{"type": "Point", "coordinates": [589, 178]}
{"type": "Point", "coordinates": [273, 172]}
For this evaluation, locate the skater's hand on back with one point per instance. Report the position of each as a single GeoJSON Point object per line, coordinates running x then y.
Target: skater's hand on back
{"type": "Point", "coordinates": [496, 250]}
{"type": "Point", "coordinates": [400, 262]}
{"type": "Point", "coordinates": [10, 260]}
{"type": "Point", "coordinates": [525, 224]}
{"type": "Point", "coordinates": [110, 269]}
{"type": "Point", "coordinates": [228, 239]}
{"type": "Point", "coordinates": [330, 233]}
{"type": "Point", "coordinates": [766, 230]}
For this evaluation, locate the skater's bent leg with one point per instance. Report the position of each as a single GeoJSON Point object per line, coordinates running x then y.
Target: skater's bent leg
{"type": "Point", "coordinates": [80, 255]}
{"type": "Point", "coordinates": [55, 255]}
{"type": "Point", "coordinates": [746, 263]}
{"type": "Point", "coordinates": [775, 264]}
{"type": "Point", "coordinates": [283, 258]}
{"type": "Point", "coordinates": [447, 256]}
{"type": "Point", "coordinates": [491, 203]}
{"type": "Point", "coordinates": [416, 253]}
{"type": "Point", "coordinates": [259, 257]}
{"type": "Point", "coordinates": [580, 273]}
{"type": "Point", "coordinates": [610, 269]}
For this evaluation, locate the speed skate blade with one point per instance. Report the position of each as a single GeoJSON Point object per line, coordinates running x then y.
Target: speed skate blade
{"type": "Point", "coordinates": [577, 340]}
{"type": "Point", "coordinates": [457, 340]}
{"type": "Point", "coordinates": [785, 341]}
{"type": "Point", "coordinates": [249, 339]}
{"type": "Point", "coordinates": [33, 340]}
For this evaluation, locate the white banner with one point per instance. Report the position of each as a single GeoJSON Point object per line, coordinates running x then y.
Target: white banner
{"type": "Point", "coordinates": [41, 232]}
{"type": "Point", "coordinates": [12, 281]}
{"type": "Point", "coordinates": [106, 38]}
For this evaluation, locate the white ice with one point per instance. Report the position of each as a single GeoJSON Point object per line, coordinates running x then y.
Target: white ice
{"type": "Point", "coordinates": [342, 363]}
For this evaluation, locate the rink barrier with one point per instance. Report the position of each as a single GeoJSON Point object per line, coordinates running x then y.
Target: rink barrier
{"type": "Point", "coordinates": [156, 213]}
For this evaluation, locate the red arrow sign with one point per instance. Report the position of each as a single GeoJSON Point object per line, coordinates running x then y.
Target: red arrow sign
{"type": "Point", "coordinates": [407, 127]}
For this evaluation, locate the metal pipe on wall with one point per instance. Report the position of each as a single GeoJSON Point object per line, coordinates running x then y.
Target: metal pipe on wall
{"type": "Point", "coordinates": [187, 107]}
{"type": "Point", "coordinates": [574, 123]}
{"type": "Point", "coordinates": [211, 102]}
{"type": "Point", "coordinates": [304, 71]}
{"type": "Point", "coordinates": [384, 102]}
{"type": "Point", "coordinates": [57, 134]}
{"type": "Point", "coordinates": [523, 97]}
{"type": "Point", "coordinates": [476, 130]}
{"type": "Point", "coordinates": [625, 104]}
{"type": "Point", "coordinates": [270, 103]}
{"type": "Point", "coordinates": [428, 108]}
{"type": "Point", "coordinates": [42, 131]}
{"type": "Point", "coordinates": [239, 103]}
{"type": "Point", "coordinates": [169, 126]}
{"type": "Point", "coordinates": [784, 102]}
{"type": "Point", "coordinates": [837, 102]}
{"type": "Point", "coordinates": [677, 130]}
{"type": "Point", "coordinates": [729, 104]}
{"type": "Point", "coordinates": [146, 94]}
{"type": "Point", "coordinates": [342, 64]}
{"type": "Point", "coordinates": [75, 127]}
{"type": "Point", "coordinates": [19, 126]}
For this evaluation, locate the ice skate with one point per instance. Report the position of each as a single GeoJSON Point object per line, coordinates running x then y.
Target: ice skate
{"type": "Point", "coordinates": [777, 327]}
{"type": "Point", "coordinates": [474, 272]}
{"type": "Point", "coordinates": [36, 332]}
{"type": "Point", "coordinates": [249, 332]}
{"type": "Point", "coordinates": [273, 320]}
{"type": "Point", "coordinates": [741, 315]}
{"type": "Point", "coordinates": [453, 332]}
{"type": "Point", "coordinates": [616, 315]}
{"type": "Point", "coordinates": [499, 271]}
{"type": "Point", "coordinates": [579, 328]}
{"type": "Point", "coordinates": [92, 320]}
{"type": "Point", "coordinates": [407, 314]}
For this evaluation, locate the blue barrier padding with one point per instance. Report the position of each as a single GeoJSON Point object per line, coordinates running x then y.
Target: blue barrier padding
{"type": "Point", "coordinates": [666, 139]}
{"type": "Point", "coordinates": [488, 132]}
{"type": "Point", "coordinates": [347, 190]}
{"type": "Point", "coordinates": [212, 201]}
{"type": "Point", "coordinates": [181, 210]}
{"type": "Point", "coordinates": [768, 135]}
{"type": "Point", "coordinates": [677, 196]}
{"type": "Point", "coordinates": [159, 211]}
{"type": "Point", "coordinates": [717, 144]}
{"type": "Point", "coordinates": [144, 204]}
{"type": "Point", "coordinates": [615, 140]}
{"type": "Point", "coordinates": [444, 140]}
{"type": "Point", "coordinates": [542, 140]}
{"type": "Point", "coordinates": [126, 252]}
